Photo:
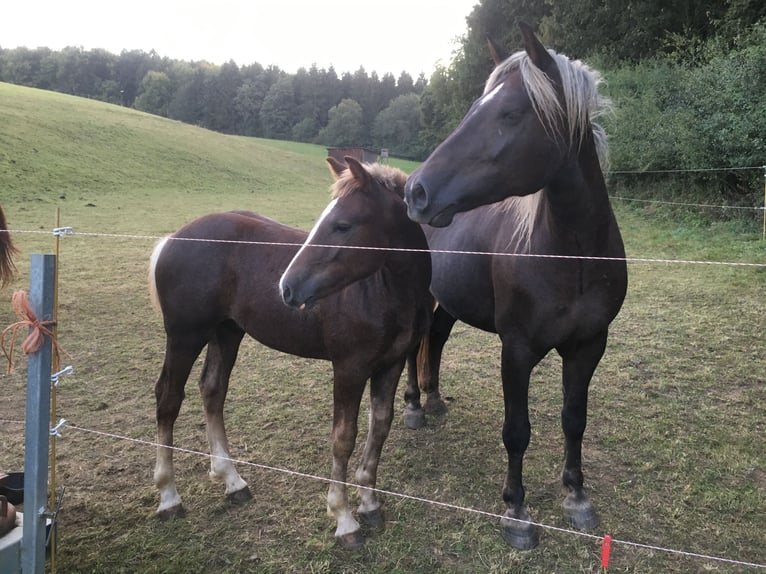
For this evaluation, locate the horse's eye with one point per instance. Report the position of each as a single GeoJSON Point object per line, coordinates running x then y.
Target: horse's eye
{"type": "Point", "coordinates": [342, 227]}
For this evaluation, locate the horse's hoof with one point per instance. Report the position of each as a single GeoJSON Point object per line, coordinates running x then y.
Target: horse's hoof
{"type": "Point", "coordinates": [521, 540]}
{"type": "Point", "coordinates": [239, 497]}
{"type": "Point", "coordinates": [580, 513]}
{"type": "Point", "coordinates": [172, 513]}
{"type": "Point", "coordinates": [520, 535]}
{"type": "Point", "coordinates": [435, 405]}
{"type": "Point", "coordinates": [351, 541]}
{"type": "Point", "coordinates": [374, 519]}
{"type": "Point", "coordinates": [414, 419]}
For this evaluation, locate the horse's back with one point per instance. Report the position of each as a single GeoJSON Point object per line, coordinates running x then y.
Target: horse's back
{"type": "Point", "coordinates": [226, 266]}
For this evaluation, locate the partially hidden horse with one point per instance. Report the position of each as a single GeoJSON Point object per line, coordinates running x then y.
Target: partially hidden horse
{"type": "Point", "coordinates": [559, 275]}
{"type": "Point", "coordinates": [7, 251]}
{"type": "Point", "coordinates": [230, 274]}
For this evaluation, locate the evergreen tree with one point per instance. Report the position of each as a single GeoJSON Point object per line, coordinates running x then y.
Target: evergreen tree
{"type": "Point", "coordinates": [278, 112]}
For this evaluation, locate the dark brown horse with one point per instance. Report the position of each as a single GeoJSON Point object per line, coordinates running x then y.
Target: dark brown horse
{"type": "Point", "coordinates": [529, 140]}
{"type": "Point", "coordinates": [218, 278]}
{"type": "Point", "coordinates": [7, 251]}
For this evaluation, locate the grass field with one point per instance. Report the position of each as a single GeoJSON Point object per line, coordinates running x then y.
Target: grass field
{"type": "Point", "coordinates": [674, 454]}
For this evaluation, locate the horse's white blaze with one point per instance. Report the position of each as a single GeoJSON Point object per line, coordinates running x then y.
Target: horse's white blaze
{"type": "Point", "coordinates": [489, 96]}
{"type": "Point", "coordinates": [486, 98]}
{"type": "Point", "coordinates": [325, 213]}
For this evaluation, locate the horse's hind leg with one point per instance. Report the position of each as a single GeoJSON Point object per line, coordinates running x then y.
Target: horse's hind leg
{"type": "Point", "coordinates": [579, 362]}
{"type": "Point", "coordinates": [382, 394]}
{"type": "Point", "coordinates": [414, 417]}
{"type": "Point", "coordinates": [214, 384]}
{"type": "Point", "coordinates": [180, 354]}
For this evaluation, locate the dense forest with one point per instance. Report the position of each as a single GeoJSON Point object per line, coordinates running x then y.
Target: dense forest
{"type": "Point", "coordinates": [688, 80]}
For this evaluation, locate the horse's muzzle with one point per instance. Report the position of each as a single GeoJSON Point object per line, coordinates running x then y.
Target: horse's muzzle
{"type": "Point", "coordinates": [291, 299]}
{"type": "Point", "coordinates": [421, 208]}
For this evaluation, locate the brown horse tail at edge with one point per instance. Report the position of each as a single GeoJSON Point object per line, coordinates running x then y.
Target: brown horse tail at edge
{"type": "Point", "coordinates": [423, 359]}
{"type": "Point", "coordinates": [7, 251]}
{"type": "Point", "coordinates": [153, 296]}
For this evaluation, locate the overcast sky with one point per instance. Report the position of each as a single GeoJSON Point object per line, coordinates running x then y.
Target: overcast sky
{"type": "Point", "coordinates": [382, 35]}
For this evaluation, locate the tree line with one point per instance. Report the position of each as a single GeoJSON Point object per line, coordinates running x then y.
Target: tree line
{"type": "Point", "coordinates": [313, 105]}
{"type": "Point", "coordinates": [687, 79]}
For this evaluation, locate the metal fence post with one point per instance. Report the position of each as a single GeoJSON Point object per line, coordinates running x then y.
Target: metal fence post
{"type": "Point", "coordinates": [41, 288]}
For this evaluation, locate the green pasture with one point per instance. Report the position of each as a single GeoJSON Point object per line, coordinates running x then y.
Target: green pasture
{"type": "Point", "coordinates": [674, 453]}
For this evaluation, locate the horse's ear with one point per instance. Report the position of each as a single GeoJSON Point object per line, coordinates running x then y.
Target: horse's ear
{"type": "Point", "coordinates": [534, 48]}
{"type": "Point", "coordinates": [336, 167]}
{"type": "Point", "coordinates": [361, 175]}
{"type": "Point", "coordinates": [498, 53]}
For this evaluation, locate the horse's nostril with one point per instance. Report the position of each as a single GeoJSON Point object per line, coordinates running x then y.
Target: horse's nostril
{"type": "Point", "coordinates": [417, 197]}
{"type": "Point", "coordinates": [287, 294]}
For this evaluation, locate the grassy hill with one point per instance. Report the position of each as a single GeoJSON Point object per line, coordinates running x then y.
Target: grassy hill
{"type": "Point", "coordinates": [89, 157]}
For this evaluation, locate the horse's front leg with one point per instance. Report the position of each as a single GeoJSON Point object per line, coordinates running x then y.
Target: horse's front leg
{"type": "Point", "coordinates": [517, 365]}
{"type": "Point", "coordinates": [214, 384]}
{"type": "Point", "coordinates": [348, 387]}
{"type": "Point", "coordinates": [382, 394]}
{"type": "Point", "coordinates": [579, 363]}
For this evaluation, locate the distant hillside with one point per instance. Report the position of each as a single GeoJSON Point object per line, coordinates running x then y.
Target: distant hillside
{"type": "Point", "coordinates": [75, 153]}
{"type": "Point", "coordinates": [50, 142]}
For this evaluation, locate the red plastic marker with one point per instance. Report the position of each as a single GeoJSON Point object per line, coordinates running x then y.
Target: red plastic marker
{"type": "Point", "coordinates": [606, 550]}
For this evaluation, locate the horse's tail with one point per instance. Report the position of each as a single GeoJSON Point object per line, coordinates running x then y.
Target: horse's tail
{"type": "Point", "coordinates": [153, 295]}
{"type": "Point", "coordinates": [7, 251]}
{"type": "Point", "coordinates": [424, 365]}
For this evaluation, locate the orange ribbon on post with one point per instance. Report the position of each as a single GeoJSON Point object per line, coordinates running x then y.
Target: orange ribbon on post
{"type": "Point", "coordinates": [38, 331]}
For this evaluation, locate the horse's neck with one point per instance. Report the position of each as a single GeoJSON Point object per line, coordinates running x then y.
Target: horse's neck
{"type": "Point", "coordinates": [411, 236]}
{"type": "Point", "coordinates": [576, 201]}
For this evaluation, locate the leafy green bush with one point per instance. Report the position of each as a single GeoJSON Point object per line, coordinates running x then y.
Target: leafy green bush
{"type": "Point", "coordinates": [670, 115]}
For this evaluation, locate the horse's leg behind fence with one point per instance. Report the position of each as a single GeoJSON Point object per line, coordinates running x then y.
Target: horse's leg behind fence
{"type": "Point", "coordinates": [426, 378]}
{"type": "Point", "coordinates": [441, 327]}
{"type": "Point", "coordinates": [214, 384]}
{"type": "Point", "coordinates": [414, 415]}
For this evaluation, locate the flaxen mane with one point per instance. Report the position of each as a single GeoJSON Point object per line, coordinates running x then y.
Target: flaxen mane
{"type": "Point", "coordinates": [582, 105]}
{"type": "Point", "coordinates": [582, 101]}
{"type": "Point", "coordinates": [389, 177]}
